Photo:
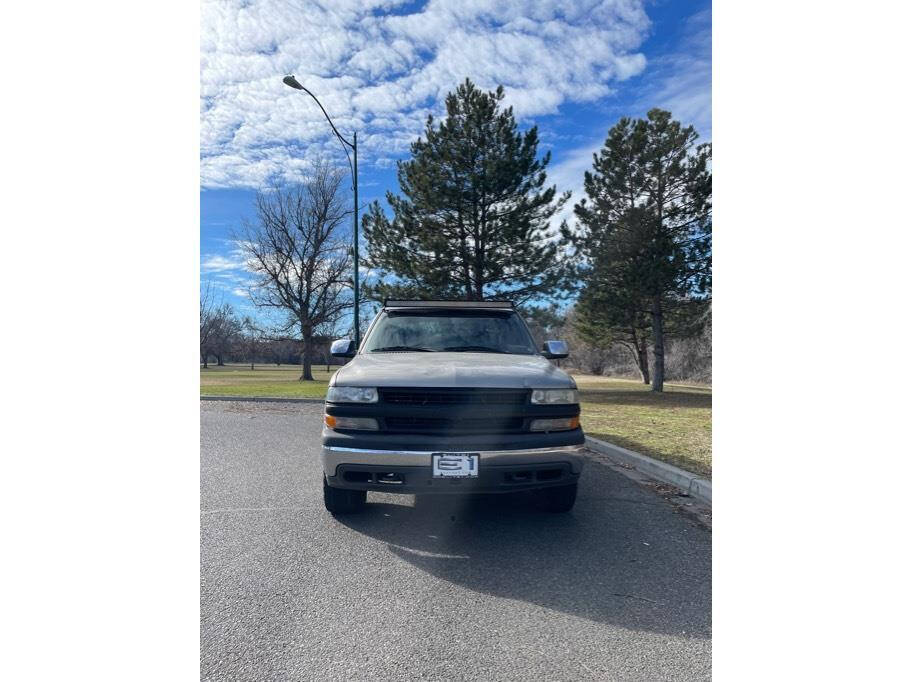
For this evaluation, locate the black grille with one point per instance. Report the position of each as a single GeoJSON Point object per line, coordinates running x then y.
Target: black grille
{"type": "Point", "coordinates": [457, 425]}
{"type": "Point", "coordinates": [487, 396]}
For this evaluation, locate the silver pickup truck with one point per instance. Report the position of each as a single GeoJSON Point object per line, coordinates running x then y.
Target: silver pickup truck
{"type": "Point", "coordinates": [450, 397]}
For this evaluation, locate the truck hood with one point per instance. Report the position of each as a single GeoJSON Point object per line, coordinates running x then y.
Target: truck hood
{"type": "Point", "coordinates": [451, 370]}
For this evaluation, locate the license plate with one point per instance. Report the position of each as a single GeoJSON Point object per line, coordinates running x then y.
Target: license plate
{"type": "Point", "coordinates": [455, 465]}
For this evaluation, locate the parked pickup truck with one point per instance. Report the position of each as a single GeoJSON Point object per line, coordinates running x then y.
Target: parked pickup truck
{"type": "Point", "coordinates": [450, 397]}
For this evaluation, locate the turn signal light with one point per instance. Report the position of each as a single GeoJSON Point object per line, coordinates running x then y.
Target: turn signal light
{"type": "Point", "coordinates": [351, 423]}
{"type": "Point", "coordinates": [561, 424]}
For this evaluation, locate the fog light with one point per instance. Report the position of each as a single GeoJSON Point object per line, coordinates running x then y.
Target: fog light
{"type": "Point", "coordinates": [562, 424]}
{"type": "Point", "coordinates": [350, 423]}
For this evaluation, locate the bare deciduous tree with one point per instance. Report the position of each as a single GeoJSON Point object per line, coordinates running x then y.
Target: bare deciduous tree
{"type": "Point", "coordinates": [218, 328]}
{"type": "Point", "coordinates": [250, 340]}
{"type": "Point", "coordinates": [224, 333]}
{"type": "Point", "coordinates": [207, 306]}
{"type": "Point", "coordinates": [295, 247]}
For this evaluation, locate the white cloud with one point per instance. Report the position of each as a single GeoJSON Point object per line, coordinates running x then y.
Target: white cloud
{"type": "Point", "coordinates": [381, 70]}
{"type": "Point", "coordinates": [682, 81]}
{"type": "Point", "coordinates": [217, 263]}
{"type": "Point", "coordinates": [233, 266]}
{"type": "Point", "coordinates": [567, 174]}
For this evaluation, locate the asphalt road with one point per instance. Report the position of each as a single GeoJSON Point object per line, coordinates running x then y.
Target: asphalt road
{"type": "Point", "coordinates": [443, 588]}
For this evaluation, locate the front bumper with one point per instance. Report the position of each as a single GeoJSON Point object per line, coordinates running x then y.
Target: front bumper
{"type": "Point", "coordinates": [409, 471]}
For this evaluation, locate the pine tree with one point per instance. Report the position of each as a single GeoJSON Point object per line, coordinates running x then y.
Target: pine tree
{"type": "Point", "coordinates": [472, 221]}
{"type": "Point", "coordinates": [603, 318]}
{"type": "Point", "coordinates": [645, 231]}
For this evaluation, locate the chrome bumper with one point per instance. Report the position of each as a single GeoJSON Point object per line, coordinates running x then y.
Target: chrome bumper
{"type": "Point", "coordinates": [333, 456]}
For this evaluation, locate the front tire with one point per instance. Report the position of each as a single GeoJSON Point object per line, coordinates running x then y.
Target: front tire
{"type": "Point", "coordinates": [341, 501]}
{"type": "Point", "coordinates": [557, 500]}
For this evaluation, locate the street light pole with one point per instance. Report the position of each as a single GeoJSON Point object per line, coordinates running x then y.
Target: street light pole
{"type": "Point", "coordinates": [292, 82]}
{"type": "Point", "coordinates": [355, 273]}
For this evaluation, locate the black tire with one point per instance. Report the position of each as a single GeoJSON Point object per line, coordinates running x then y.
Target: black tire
{"type": "Point", "coordinates": [558, 499]}
{"type": "Point", "coordinates": [341, 501]}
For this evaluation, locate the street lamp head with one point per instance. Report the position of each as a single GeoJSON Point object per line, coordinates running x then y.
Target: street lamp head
{"type": "Point", "coordinates": [290, 81]}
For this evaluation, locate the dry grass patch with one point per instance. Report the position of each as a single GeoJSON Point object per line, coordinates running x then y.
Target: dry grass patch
{"type": "Point", "coordinates": [674, 426]}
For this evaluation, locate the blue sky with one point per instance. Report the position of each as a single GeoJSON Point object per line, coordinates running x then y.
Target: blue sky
{"type": "Point", "coordinates": [380, 67]}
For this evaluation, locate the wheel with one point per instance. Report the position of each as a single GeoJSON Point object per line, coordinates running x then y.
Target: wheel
{"type": "Point", "coordinates": [557, 499]}
{"type": "Point", "coordinates": [341, 501]}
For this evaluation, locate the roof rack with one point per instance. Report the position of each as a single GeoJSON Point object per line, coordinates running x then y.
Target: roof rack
{"type": "Point", "coordinates": [387, 303]}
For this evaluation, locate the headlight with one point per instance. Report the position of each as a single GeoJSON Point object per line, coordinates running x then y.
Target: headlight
{"type": "Point", "coordinates": [351, 394]}
{"type": "Point", "coordinates": [551, 396]}
{"type": "Point", "coordinates": [353, 423]}
{"type": "Point", "coordinates": [561, 424]}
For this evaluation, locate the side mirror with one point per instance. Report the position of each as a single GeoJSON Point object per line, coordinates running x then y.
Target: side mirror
{"type": "Point", "coordinates": [343, 348]}
{"type": "Point", "coordinates": [555, 350]}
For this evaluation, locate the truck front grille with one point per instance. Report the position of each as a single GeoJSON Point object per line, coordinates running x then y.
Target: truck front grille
{"type": "Point", "coordinates": [457, 425]}
{"type": "Point", "coordinates": [458, 396]}
{"type": "Point", "coordinates": [452, 411]}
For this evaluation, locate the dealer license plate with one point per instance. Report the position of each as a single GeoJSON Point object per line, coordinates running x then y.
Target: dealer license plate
{"type": "Point", "coordinates": [455, 465]}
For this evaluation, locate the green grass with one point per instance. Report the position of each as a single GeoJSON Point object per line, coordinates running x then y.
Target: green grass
{"type": "Point", "coordinates": [675, 426]}
{"type": "Point", "coordinates": [263, 381]}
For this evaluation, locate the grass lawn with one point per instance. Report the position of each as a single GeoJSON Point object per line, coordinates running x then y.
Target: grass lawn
{"type": "Point", "coordinates": [675, 426]}
{"type": "Point", "coordinates": [264, 381]}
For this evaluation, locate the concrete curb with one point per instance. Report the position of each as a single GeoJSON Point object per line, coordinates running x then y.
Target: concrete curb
{"type": "Point", "coordinates": [694, 485]}
{"type": "Point", "coordinates": [241, 399]}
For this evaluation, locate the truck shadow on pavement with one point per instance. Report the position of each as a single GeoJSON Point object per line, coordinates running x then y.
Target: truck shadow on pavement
{"type": "Point", "coordinates": [622, 556]}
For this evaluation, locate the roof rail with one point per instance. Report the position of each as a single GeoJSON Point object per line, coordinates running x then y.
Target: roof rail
{"type": "Point", "coordinates": [389, 303]}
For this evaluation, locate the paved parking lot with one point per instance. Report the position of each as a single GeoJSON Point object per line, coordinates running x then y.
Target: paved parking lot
{"type": "Point", "coordinates": [434, 588]}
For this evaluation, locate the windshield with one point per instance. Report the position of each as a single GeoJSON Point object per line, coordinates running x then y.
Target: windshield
{"type": "Point", "coordinates": [463, 331]}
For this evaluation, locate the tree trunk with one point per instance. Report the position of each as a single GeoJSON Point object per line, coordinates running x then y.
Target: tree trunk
{"type": "Point", "coordinates": [219, 362]}
{"type": "Point", "coordinates": [658, 346]}
{"type": "Point", "coordinates": [306, 373]}
{"type": "Point", "coordinates": [205, 360]}
{"type": "Point", "coordinates": [643, 361]}
{"type": "Point", "coordinates": [642, 357]}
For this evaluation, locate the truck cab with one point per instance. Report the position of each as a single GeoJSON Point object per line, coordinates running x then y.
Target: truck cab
{"type": "Point", "coordinates": [450, 397]}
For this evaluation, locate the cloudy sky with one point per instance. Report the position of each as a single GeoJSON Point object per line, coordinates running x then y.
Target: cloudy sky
{"type": "Point", "coordinates": [381, 66]}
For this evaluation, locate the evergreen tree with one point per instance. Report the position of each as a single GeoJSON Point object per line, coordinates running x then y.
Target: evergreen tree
{"type": "Point", "coordinates": [545, 322]}
{"type": "Point", "coordinates": [604, 317]}
{"type": "Point", "coordinates": [472, 221]}
{"type": "Point", "coordinates": [646, 232]}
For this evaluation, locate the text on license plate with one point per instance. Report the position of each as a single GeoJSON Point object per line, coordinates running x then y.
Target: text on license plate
{"type": "Point", "coordinates": [455, 465]}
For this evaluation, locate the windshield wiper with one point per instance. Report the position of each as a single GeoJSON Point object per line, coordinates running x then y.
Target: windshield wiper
{"type": "Point", "coordinates": [402, 348]}
{"type": "Point", "coordinates": [477, 349]}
